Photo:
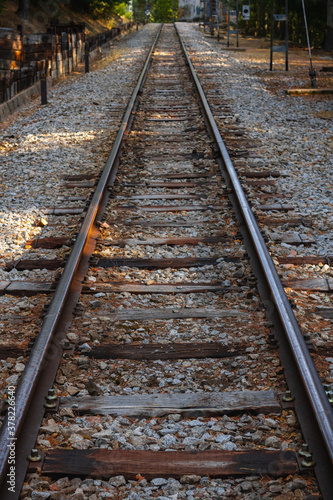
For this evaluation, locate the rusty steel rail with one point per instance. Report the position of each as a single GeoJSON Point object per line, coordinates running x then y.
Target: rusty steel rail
{"type": "Point", "coordinates": [39, 355]}
{"type": "Point", "coordinates": [322, 410]}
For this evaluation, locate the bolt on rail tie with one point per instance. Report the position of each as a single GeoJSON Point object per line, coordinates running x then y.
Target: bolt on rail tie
{"type": "Point", "coordinates": [30, 377]}
{"type": "Point", "coordinates": [307, 371]}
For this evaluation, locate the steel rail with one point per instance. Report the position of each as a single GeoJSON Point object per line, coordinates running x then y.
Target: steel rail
{"type": "Point", "coordinates": [306, 368]}
{"type": "Point", "coordinates": [29, 380]}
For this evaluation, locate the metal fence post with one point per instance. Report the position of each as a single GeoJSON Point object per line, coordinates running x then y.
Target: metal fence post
{"type": "Point", "coordinates": [86, 57]}
{"type": "Point", "coordinates": [43, 86]}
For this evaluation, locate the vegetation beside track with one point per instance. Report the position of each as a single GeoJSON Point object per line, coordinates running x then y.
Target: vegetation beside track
{"type": "Point", "coordinates": [40, 15]}
{"type": "Point", "coordinates": [105, 14]}
{"type": "Point", "coordinates": [98, 15]}
{"type": "Point", "coordinates": [260, 20]}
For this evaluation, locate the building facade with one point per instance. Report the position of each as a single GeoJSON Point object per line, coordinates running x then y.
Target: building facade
{"type": "Point", "coordinates": [188, 10]}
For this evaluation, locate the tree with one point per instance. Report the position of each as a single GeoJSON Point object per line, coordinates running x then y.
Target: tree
{"type": "Point", "coordinates": [99, 8]}
{"type": "Point", "coordinates": [329, 34]}
{"type": "Point", "coordinates": [139, 7]}
{"type": "Point", "coordinates": [316, 11]}
{"type": "Point", "coordinates": [23, 9]}
{"type": "Point", "coordinates": [165, 11]}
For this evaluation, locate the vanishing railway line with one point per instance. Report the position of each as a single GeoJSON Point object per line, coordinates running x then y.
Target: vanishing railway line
{"type": "Point", "coordinates": [168, 318]}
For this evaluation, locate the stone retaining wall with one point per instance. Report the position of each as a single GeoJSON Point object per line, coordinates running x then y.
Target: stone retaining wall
{"type": "Point", "coordinates": [24, 56]}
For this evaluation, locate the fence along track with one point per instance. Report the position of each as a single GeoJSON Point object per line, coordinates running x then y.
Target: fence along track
{"type": "Point", "coordinates": [142, 219]}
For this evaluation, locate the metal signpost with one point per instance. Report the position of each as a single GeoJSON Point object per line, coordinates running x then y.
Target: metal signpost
{"type": "Point", "coordinates": [86, 57]}
{"type": "Point", "coordinates": [246, 12]}
{"type": "Point", "coordinates": [232, 31]}
{"type": "Point", "coordinates": [214, 21]}
{"type": "Point", "coordinates": [147, 11]}
{"type": "Point", "coordinates": [312, 71]}
{"type": "Point", "coordinates": [203, 13]}
{"type": "Point", "coordinates": [279, 48]}
{"type": "Point", "coordinates": [43, 86]}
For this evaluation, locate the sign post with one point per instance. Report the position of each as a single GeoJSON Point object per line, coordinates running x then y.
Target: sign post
{"type": "Point", "coordinates": [246, 12]}
{"type": "Point", "coordinates": [43, 86]}
{"type": "Point", "coordinates": [279, 48]}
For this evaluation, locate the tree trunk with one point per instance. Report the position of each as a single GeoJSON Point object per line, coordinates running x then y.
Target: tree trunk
{"type": "Point", "coordinates": [329, 34]}
{"type": "Point", "coordinates": [23, 10]}
{"type": "Point", "coordinates": [262, 27]}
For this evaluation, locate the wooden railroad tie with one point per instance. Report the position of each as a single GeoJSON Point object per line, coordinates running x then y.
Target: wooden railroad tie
{"type": "Point", "coordinates": [188, 405]}
{"type": "Point", "coordinates": [166, 196]}
{"type": "Point", "coordinates": [275, 206]}
{"type": "Point", "coordinates": [324, 312]}
{"type": "Point", "coordinates": [185, 175]}
{"type": "Point", "coordinates": [51, 242]}
{"type": "Point", "coordinates": [281, 221]}
{"type": "Point", "coordinates": [307, 259]}
{"type": "Point", "coordinates": [149, 464]}
{"type": "Point", "coordinates": [168, 185]}
{"type": "Point", "coordinates": [312, 284]}
{"type": "Point", "coordinates": [176, 263]}
{"type": "Point", "coordinates": [165, 351]}
{"type": "Point", "coordinates": [165, 288]}
{"type": "Point", "coordinates": [149, 314]}
{"type": "Point", "coordinates": [180, 241]}
{"type": "Point", "coordinates": [171, 223]}
{"type": "Point", "coordinates": [29, 288]}
{"type": "Point", "coordinates": [167, 208]}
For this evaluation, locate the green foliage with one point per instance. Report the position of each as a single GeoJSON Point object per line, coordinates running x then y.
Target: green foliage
{"type": "Point", "coordinates": [122, 9]}
{"type": "Point", "coordinates": [139, 7]}
{"type": "Point", "coordinates": [165, 11]}
{"type": "Point", "coordinates": [2, 5]}
{"type": "Point", "coordinates": [101, 8]}
{"type": "Point", "coordinates": [260, 20]}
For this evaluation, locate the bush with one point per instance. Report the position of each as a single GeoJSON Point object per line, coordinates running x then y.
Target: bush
{"type": "Point", "coordinates": [121, 9]}
{"type": "Point", "coordinates": [101, 8]}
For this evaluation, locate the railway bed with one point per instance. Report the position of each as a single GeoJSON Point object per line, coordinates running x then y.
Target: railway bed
{"type": "Point", "coordinates": [162, 367]}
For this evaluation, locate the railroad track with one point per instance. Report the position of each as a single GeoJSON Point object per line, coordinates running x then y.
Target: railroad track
{"type": "Point", "coordinates": [160, 353]}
